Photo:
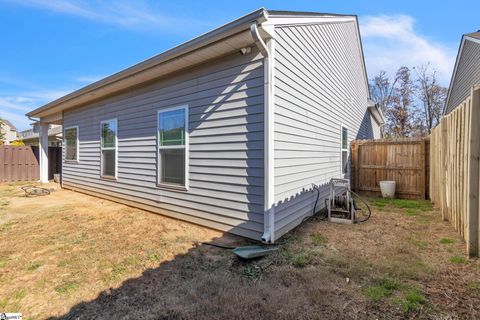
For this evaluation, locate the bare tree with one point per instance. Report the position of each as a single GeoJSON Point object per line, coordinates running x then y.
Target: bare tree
{"type": "Point", "coordinates": [431, 94]}
{"type": "Point", "coordinates": [381, 90]}
{"type": "Point", "coordinates": [412, 107]}
{"type": "Point", "coordinates": [399, 112]}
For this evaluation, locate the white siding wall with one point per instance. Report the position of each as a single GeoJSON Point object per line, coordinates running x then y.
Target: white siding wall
{"type": "Point", "coordinates": [466, 76]}
{"type": "Point", "coordinates": [225, 101]}
{"type": "Point", "coordinates": [376, 131]}
{"type": "Point", "coordinates": [319, 85]}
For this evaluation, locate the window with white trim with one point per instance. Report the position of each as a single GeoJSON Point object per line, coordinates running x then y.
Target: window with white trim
{"type": "Point", "coordinates": [109, 148]}
{"type": "Point", "coordinates": [344, 147]}
{"type": "Point", "coordinates": [172, 146]}
{"type": "Point", "coordinates": [71, 144]}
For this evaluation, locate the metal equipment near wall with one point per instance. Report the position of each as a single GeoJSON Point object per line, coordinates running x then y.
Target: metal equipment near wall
{"type": "Point", "coordinates": [341, 205]}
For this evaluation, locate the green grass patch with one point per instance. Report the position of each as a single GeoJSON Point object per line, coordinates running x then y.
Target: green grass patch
{"type": "Point", "coordinates": [446, 241]}
{"type": "Point", "coordinates": [252, 272]}
{"type": "Point", "coordinates": [34, 266]}
{"type": "Point", "coordinates": [474, 286]}
{"type": "Point", "coordinates": [318, 239]}
{"type": "Point", "coordinates": [381, 290]}
{"type": "Point", "coordinates": [12, 301]}
{"type": "Point", "coordinates": [302, 258]}
{"type": "Point", "coordinates": [155, 256]}
{"type": "Point", "coordinates": [412, 300]}
{"type": "Point", "coordinates": [411, 212]}
{"type": "Point", "coordinates": [418, 243]}
{"type": "Point", "coordinates": [458, 259]}
{"type": "Point", "coordinates": [66, 287]}
{"type": "Point", "coordinates": [412, 206]}
{"type": "Point", "coordinates": [118, 270]}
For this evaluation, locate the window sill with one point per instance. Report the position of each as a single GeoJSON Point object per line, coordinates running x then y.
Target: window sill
{"type": "Point", "coordinates": [109, 178]}
{"type": "Point", "coordinates": [171, 187]}
{"type": "Point", "coordinates": [71, 161]}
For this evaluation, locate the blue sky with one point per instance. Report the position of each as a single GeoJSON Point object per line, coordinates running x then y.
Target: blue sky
{"type": "Point", "coordinates": [49, 48]}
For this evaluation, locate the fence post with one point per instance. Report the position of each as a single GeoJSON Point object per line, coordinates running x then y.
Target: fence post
{"type": "Point", "coordinates": [422, 170]}
{"type": "Point", "coordinates": [473, 173]}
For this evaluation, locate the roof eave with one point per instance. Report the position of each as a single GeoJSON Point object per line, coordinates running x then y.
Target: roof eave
{"type": "Point", "coordinates": [229, 29]}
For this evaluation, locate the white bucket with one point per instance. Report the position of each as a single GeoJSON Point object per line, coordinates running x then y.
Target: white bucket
{"type": "Point", "coordinates": [387, 188]}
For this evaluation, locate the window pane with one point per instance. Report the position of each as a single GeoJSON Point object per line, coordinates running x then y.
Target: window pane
{"type": "Point", "coordinates": [109, 131]}
{"type": "Point", "coordinates": [172, 128]}
{"type": "Point", "coordinates": [108, 163]}
{"type": "Point", "coordinates": [344, 161]}
{"type": "Point", "coordinates": [344, 138]}
{"type": "Point", "coordinates": [71, 144]}
{"type": "Point", "coordinates": [172, 166]}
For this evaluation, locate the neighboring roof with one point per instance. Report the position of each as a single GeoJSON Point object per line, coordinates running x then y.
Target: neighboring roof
{"type": "Point", "coordinates": [469, 39]}
{"type": "Point", "coordinates": [376, 112]}
{"type": "Point", "coordinates": [8, 123]}
{"type": "Point", "coordinates": [220, 41]}
{"type": "Point", "coordinates": [55, 131]}
{"type": "Point", "coordinates": [475, 35]}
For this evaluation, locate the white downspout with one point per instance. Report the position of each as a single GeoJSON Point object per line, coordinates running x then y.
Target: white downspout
{"type": "Point", "coordinates": [267, 51]}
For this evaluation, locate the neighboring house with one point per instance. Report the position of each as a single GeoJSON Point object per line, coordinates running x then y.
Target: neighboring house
{"type": "Point", "coordinates": [9, 132]}
{"type": "Point", "coordinates": [466, 73]}
{"type": "Point", "coordinates": [31, 137]}
{"type": "Point", "coordinates": [228, 130]}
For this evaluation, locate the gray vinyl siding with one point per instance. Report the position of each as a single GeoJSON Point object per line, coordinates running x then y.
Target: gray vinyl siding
{"type": "Point", "coordinates": [319, 85]}
{"type": "Point", "coordinates": [226, 174]}
{"type": "Point", "coordinates": [467, 75]}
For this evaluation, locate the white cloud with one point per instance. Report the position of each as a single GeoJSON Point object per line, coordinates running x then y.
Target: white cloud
{"type": "Point", "coordinates": [124, 13]}
{"type": "Point", "coordinates": [14, 107]}
{"type": "Point", "coordinates": [392, 41]}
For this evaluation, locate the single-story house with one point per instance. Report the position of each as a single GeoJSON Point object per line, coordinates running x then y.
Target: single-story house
{"type": "Point", "coordinates": [9, 132]}
{"type": "Point", "coordinates": [229, 130]}
{"type": "Point", "coordinates": [466, 72]}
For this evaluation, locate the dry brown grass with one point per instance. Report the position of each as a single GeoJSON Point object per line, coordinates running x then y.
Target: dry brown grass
{"type": "Point", "coordinates": [69, 255]}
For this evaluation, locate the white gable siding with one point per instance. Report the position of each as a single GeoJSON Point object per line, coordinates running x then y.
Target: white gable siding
{"type": "Point", "coordinates": [319, 85]}
{"type": "Point", "coordinates": [225, 101]}
{"type": "Point", "coordinates": [467, 75]}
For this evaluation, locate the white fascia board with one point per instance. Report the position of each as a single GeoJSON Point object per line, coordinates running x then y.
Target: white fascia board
{"type": "Point", "coordinates": [296, 20]}
{"type": "Point", "coordinates": [460, 49]}
{"type": "Point", "coordinates": [472, 39]}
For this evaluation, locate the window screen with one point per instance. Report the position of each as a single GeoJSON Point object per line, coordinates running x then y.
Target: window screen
{"type": "Point", "coordinates": [109, 148]}
{"type": "Point", "coordinates": [172, 130]}
{"type": "Point", "coordinates": [71, 148]}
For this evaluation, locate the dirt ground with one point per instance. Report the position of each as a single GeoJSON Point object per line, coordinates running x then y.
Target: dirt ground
{"type": "Point", "coordinates": [69, 255]}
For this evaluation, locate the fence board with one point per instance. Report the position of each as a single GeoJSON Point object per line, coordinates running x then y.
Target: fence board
{"type": "Point", "coordinates": [401, 160]}
{"type": "Point", "coordinates": [454, 169]}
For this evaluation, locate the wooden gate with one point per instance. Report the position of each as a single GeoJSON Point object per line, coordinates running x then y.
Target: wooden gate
{"type": "Point", "coordinates": [404, 161]}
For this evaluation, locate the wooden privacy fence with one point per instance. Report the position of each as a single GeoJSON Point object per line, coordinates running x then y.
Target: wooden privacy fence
{"type": "Point", "coordinates": [401, 160]}
{"type": "Point", "coordinates": [18, 163]}
{"type": "Point", "coordinates": [454, 177]}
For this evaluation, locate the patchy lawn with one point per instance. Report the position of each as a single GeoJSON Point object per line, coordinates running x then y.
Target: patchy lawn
{"type": "Point", "coordinates": [70, 255]}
